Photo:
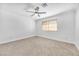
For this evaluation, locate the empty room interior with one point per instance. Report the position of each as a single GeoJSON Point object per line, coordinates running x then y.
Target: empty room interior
{"type": "Point", "coordinates": [39, 29]}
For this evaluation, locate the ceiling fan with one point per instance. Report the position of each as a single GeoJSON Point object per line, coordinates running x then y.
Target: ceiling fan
{"type": "Point", "coordinates": [36, 11]}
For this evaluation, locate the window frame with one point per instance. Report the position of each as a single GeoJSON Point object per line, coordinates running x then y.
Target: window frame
{"type": "Point", "coordinates": [48, 25]}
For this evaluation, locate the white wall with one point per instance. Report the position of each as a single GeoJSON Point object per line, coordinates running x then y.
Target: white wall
{"type": "Point", "coordinates": [13, 26]}
{"type": "Point", "coordinates": [66, 24]}
{"type": "Point", "coordinates": [77, 28]}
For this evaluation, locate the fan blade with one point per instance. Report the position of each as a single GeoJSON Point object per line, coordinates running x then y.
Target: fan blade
{"type": "Point", "coordinates": [30, 11]}
{"type": "Point", "coordinates": [41, 12]}
{"type": "Point", "coordinates": [33, 14]}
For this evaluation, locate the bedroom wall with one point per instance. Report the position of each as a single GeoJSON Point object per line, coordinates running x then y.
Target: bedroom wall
{"type": "Point", "coordinates": [77, 28]}
{"type": "Point", "coordinates": [66, 24]}
{"type": "Point", "coordinates": [14, 26]}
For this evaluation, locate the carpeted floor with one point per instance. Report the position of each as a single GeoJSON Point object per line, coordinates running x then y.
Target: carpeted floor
{"type": "Point", "coordinates": [38, 46]}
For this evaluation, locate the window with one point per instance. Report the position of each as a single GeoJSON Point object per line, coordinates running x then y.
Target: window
{"type": "Point", "coordinates": [49, 25]}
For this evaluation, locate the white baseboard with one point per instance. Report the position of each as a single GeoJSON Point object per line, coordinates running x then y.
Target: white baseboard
{"type": "Point", "coordinates": [56, 39]}
{"type": "Point", "coordinates": [77, 45]}
{"type": "Point", "coordinates": [27, 36]}
{"type": "Point", "coordinates": [61, 40]}
{"type": "Point", "coordinates": [19, 38]}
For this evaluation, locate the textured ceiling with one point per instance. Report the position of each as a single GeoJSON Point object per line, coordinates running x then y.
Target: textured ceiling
{"type": "Point", "coordinates": [51, 9]}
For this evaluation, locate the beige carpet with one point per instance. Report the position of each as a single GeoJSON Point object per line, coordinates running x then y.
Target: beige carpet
{"type": "Point", "coordinates": [38, 46]}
